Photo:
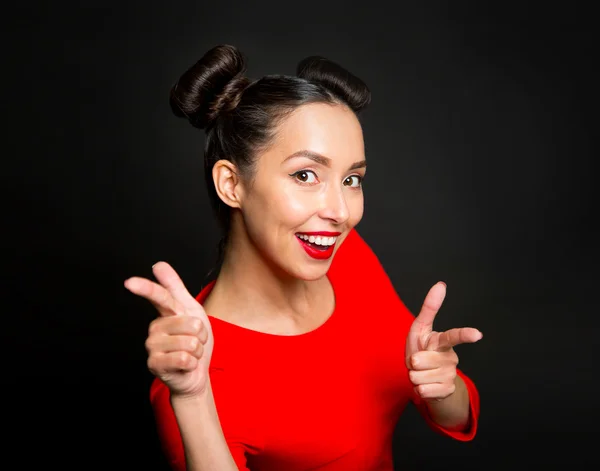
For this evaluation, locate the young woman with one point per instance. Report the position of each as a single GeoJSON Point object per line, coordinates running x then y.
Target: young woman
{"type": "Point", "coordinates": [300, 355]}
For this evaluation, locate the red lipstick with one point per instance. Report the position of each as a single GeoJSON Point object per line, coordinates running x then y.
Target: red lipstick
{"type": "Point", "coordinates": [321, 233]}
{"type": "Point", "coordinates": [312, 250]}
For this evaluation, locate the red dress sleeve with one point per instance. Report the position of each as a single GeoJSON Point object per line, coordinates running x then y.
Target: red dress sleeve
{"type": "Point", "coordinates": [371, 265]}
{"type": "Point", "coordinates": [465, 435]}
{"type": "Point", "coordinates": [239, 425]}
{"type": "Point", "coordinates": [169, 436]}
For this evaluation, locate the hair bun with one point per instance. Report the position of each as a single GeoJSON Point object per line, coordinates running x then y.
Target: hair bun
{"type": "Point", "coordinates": [337, 79]}
{"type": "Point", "coordinates": [210, 87]}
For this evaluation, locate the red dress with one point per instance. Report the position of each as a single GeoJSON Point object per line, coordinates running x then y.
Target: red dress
{"type": "Point", "coordinates": [326, 400]}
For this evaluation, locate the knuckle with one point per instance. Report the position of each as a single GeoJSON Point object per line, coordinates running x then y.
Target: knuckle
{"type": "Point", "coordinates": [149, 344]}
{"type": "Point", "coordinates": [154, 327]}
{"type": "Point", "coordinates": [182, 359]}
{"type": "Point", "coordinates": [151, 363]}
{"type": "Point", "coordinates": [196, 325]}
{"type": "Point", "coordinates": [203, 336]}
{"type": "Point", "coordinates": [192, 363]}
{"type": "Point", "coordinates": [193, 343]}
{"type": "Point", "coordinates": [199, 351]}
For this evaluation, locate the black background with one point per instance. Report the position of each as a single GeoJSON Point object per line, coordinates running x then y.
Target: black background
{"type": "Point", "coordinates": [479, 141]}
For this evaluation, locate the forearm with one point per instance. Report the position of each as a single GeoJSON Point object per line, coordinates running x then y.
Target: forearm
{"type": "Point", "coordinates": [452, 412]}
{"type": "Point", "coordinates": [201, 434]}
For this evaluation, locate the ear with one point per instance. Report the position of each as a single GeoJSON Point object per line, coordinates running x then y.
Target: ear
{"type": "Point", "coordinates": [227, 183]}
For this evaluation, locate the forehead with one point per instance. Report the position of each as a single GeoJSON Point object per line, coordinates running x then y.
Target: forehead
{"type": "Point", "coordinates": [331, 130]}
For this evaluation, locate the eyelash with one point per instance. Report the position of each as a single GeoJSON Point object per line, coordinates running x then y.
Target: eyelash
{"type": "Point", "coordinates": [300, 172]}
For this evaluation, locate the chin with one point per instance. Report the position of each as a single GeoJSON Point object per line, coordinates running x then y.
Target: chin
{"type": "Point", "coordinates": [311, 273]}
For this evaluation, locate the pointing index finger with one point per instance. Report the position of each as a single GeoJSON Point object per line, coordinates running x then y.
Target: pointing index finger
{"type": "Point", "coordinates": [453, 337]}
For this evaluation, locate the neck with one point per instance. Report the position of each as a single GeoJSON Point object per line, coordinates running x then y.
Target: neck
{"type": "Point", "coordinates": [248, 283]}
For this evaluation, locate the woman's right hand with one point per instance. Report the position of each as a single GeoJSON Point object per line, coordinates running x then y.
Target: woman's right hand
{"type": "Point", "coordinates": [180, 340]}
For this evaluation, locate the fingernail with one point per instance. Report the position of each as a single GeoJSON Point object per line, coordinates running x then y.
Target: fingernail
{"type": "Point", "coordinates": [441, 282]}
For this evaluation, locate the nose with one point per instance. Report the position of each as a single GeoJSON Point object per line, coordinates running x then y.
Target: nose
{"type": "Point", "coordinates": [334, 205]}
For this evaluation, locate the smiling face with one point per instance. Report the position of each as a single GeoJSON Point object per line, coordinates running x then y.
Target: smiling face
{"type": "Point", "coordinates": [306, 193]}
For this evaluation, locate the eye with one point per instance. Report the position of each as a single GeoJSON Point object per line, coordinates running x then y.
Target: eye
{"type": "Point", "coordinates": [353, 181]}
{"type": "Point", "coordinates": [305, 176]}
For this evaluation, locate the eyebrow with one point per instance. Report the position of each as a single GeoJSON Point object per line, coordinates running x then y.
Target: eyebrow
{"type": "Point", "coordinates": [321, 159]}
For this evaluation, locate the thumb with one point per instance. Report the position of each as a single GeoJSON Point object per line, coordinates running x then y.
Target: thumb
{"type": "Point", "coordinates": [168, 277]}
{"type": "Point", "coordinates": [423, 323]}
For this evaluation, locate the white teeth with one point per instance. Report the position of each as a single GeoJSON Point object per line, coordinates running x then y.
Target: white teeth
{"type": "Point", "coordinates": [319, 240]}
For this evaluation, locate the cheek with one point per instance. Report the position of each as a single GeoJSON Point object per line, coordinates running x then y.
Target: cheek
{"type": "Point", "coordinates": [274, 209]}
{"type": "Point", "coordinates": [296, 204]}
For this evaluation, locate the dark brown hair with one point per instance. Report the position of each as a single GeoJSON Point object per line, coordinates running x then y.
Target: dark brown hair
{"type": "Point", "coordinates": [240, 115]}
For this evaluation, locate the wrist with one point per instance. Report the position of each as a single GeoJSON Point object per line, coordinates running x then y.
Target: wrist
{"type": "Point", "coordinates": [200, 397]}
{"type": "Point", "coordinates": [453, 411]}
{"type": "Point", "coordinates": [457, 394]}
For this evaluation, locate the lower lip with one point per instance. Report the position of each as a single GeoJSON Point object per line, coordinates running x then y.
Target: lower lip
{"type": "Point", "coordinates": [316, 253]}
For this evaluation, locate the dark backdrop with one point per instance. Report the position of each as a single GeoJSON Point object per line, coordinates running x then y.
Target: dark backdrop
{"type": "Point", "coordinates": [479, 141]}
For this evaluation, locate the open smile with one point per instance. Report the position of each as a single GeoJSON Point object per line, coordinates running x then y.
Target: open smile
{"type": "Point", "coordinates": [318, 245]}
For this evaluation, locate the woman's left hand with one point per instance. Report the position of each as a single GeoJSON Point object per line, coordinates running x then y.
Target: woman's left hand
{"type": "Point", "coordinates": [430, 357]}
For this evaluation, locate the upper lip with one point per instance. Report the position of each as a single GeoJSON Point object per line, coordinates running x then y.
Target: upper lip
{"type": "Point", "coordinates": [321, 233]}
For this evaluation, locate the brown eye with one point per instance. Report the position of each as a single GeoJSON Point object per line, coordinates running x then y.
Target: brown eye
{"type": "Point", "coordinates": [353, 181]}
{"type": "Point", "coordinates": [305, 176]}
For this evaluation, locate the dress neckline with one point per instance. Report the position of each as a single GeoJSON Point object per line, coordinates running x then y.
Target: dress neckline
{"type": "Point", "coordinates": [309, 334]}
